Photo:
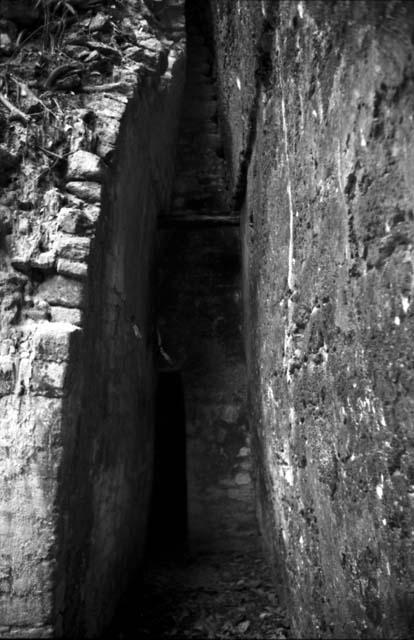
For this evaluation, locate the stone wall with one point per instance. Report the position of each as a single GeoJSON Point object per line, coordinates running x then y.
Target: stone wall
{"type": "Point", "coordinates": [111, 470]}
{"type": "Point", "coordinates": [320, 125]}
{"type": "Point", "coordinates": [81, 190]}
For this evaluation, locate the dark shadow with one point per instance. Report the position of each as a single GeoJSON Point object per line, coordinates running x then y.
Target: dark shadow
{"type": "Point", "coordinates": [167, 535]}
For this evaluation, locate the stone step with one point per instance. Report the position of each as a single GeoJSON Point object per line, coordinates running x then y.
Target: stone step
{"type": "Point", "coordinates": [196, 200]}
{"type": "Point", "coordinates": [198, 195]}
{"type": "Point", "coordinates": [205, 177]}
{"type": "Point", "coordinates": [217, 186]}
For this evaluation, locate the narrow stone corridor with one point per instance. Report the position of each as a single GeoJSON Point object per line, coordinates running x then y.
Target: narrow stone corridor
{"type": "Point", "coordinates": [206, 319]}
{"type": "Point", "coordinates": [199, 317]}
{"type": "Point", "coordinates": [205, 575]}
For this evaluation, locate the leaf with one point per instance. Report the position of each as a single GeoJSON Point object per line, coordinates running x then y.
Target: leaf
{"type": "Point", "coordinates": [243, 626]}
{"type": "Point", "coordinates": [70, 9]}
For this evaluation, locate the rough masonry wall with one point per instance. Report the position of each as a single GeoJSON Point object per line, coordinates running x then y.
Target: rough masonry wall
{"type": "Point", "coordinates": [111, 470]}
{"type": "Point", "coordinates": [86, 157]}
{"type": "Point", "coordinates": [328, 232]}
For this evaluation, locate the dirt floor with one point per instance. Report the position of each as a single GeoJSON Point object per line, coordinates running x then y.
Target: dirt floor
{"type": "Point", "coordinates": [226, 595]}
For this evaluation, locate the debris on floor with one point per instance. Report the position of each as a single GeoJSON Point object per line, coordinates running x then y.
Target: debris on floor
{"type": "Point", "coordinates": [222, 595]}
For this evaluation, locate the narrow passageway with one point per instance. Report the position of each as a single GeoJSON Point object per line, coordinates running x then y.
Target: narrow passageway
{"type": "Point", "coordinates": [199, 317]}
{"type": "Point", "coordinates": [205, 575]}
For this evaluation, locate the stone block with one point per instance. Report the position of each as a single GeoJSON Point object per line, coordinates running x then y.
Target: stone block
{"type": "Point", "coordinates": [77, 221]}
{"type": "Point", "coordinates": [107, 107]}
{"type": "Point", "coordinates": [152, 44]}
{"type": "Point", "coordinates": [77, 270]}
{"type": "Point", "coordinates": [24, 612]}
{"type": "Point", "coordinates": [62, 291]}
{"type": "Point", "coordinates": [53, 341]}
{"type": "Point", "coordinates": [83, 165]}
{"type": "Point", "coordinates": [39, 311]}
{"type": "Point", "coordinates": [44, 261]}
{"type": "Point", "coordinates": [87, 190]}
{"type": "Point", "coordinates": [48, 378]}
{"type": "Point", "coordinates": [64, 314]}
{"type": "Point", "coordinates": [72, 247]}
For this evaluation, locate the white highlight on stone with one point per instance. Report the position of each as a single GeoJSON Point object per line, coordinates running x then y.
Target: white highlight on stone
{"type": "Point", "coordinates": [363, 141]}
{"type": "Point", "coordinates": [238, 83]}
{"type": "Point", "coordinates": [301, 10]}
{"type": "Point", "coordinates": [397, 321]}
{"type": "Point", "coordinates": [291, 262]}
{"type": "Point", "coordinates": [288, 473]}
{"type": "Point", "coordinates": [136, 331]}
{"type": "Point", "coordinates": [384, 521]}
{"type": "Point", "coordinates": [292, 418]}
{"type": "Point", "coordinates": [405, 302]}
{"type": "Point", "coordinates": [379, 489]}
{"type": "Point", "coordinates": [289, 192]}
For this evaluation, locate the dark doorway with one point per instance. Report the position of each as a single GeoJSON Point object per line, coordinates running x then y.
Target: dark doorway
{"type": "Point", "coordinates": [168, 515]}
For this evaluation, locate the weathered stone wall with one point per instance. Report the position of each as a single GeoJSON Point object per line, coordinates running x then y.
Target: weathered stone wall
{"type": "Point", "coordinates": [80, 194]}
{"type": "Point", "coordinates": [326, 192]}
{"type": "Point", "coordinates": [111, 470]}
